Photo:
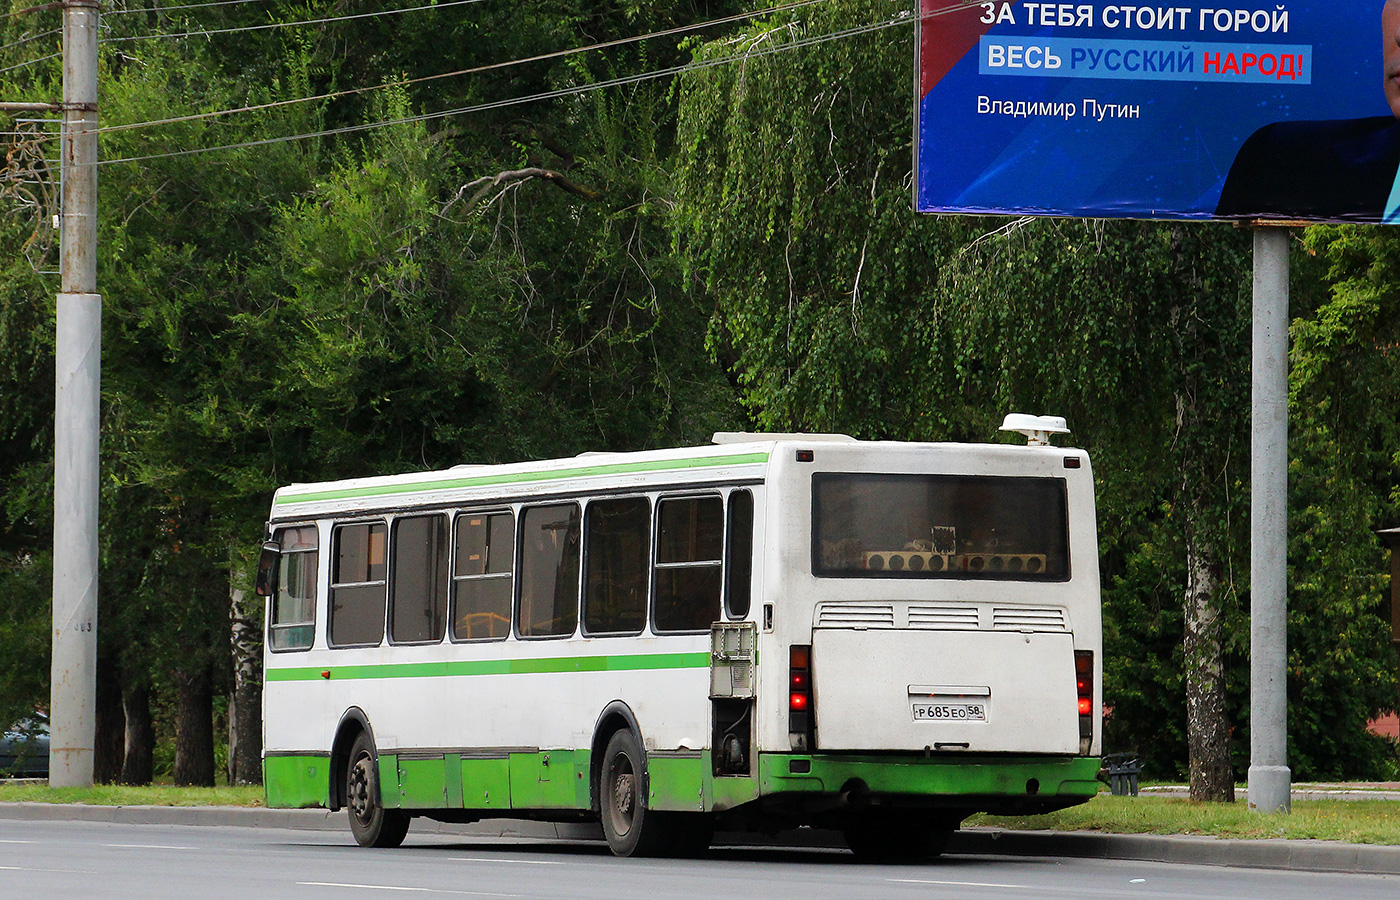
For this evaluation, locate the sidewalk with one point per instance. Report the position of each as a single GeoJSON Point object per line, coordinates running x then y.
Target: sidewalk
{"type": "Point", "coordinates": [1315, 856]}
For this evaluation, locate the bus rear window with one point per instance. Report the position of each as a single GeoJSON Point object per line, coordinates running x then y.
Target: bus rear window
{"type": "Point", "coordinates": [939, 526]}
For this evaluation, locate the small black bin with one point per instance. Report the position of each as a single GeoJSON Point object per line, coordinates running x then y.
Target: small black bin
{"type": "Point", "coordinates": [1122, 770]}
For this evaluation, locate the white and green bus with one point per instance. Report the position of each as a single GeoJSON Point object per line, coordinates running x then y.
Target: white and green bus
{"type": "Point", "coordinates": [770, 632]}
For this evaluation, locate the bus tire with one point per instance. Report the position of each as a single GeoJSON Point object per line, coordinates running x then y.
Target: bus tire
{"type": "Point", "coordinates": [370, 822]}
{"type": "Point", "coordinates": [895, 838]}
{"type": "Point", "coordinates": [630, 825]}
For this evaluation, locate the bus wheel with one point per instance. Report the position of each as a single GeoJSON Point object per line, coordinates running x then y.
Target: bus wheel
{"type": "Point", "coordinates": [370, 822]}
{"type": "Point", "coordinates": [632, 829]}
{"type": "Point", "coordinates": [895, 839]}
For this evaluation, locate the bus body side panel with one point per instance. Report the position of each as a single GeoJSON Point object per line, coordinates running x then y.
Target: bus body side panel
{"type": "Point", "coordinates": [297, 781]}
{"type": "Point", "coordinates": [899, 690]}
{"type": "Point", "coordinates": [510, 729]}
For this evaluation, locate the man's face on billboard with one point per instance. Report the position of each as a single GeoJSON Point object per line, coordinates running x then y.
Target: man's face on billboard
{"type": "Point", "coordinates": [1390, 52]}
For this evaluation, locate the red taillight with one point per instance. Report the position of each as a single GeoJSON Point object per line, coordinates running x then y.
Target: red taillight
{"type": "Point", "coordinates": [1084, 690]}
{"type": "Point", "coordinates": [800, 696]}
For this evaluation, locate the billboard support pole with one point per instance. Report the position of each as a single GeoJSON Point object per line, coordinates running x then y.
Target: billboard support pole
{"type": "Point", "coordinates": [1269, 775]}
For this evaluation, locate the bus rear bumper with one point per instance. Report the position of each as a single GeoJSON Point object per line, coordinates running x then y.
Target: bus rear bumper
{"type": "Point", "coordinates": [1000, 784]}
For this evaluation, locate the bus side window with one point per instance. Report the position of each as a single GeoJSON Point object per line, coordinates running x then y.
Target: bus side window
{"type": "Point", "coordinates": [357, 584]}
{"type": "Point", "coordinates": [738, 557]}
{"type": "Point", "coordinates": [689, 538]}
{"type": "Point", "coordinates": [617, 555]}
{"type": "Point", "coordinates": [418, 580]}
{"type": "Point", "coordinates": [292, 623]}
{"type": "Point", "coordinates": [482, 576]}
{"type": "Point", "coordinates": [549, 568]}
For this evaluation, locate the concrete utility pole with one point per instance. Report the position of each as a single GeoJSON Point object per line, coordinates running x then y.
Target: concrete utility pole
{"type": "Point", "coordinates": [72, 714]}
{"type": "Point", "coordinates": [1269, 776]}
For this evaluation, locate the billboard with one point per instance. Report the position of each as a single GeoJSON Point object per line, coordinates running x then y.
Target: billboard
{"type": "Point", "coordinates": [1285, 110]}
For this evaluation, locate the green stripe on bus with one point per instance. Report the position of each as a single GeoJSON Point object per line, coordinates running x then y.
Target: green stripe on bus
{"type": "Point", "coordinates": [455, 668]}
{"type": "Point", "coordinates": [385, 490]}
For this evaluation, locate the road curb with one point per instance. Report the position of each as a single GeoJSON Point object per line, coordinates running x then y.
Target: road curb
{"type": "Point", "coordinates": [1311, 856]}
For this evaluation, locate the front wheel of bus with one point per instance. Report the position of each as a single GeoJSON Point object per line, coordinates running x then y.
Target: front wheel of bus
{"type": "Point", "coordinates": [370, 822]}
{"type": "Point", "coordinates": [629, 824]}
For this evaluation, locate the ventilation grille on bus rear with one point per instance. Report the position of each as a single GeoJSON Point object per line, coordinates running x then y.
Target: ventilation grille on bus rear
{"type": "Point", "coordinates": [858, 614]}
{"type": "Point", "coordinates": [1028, 618]}
{"type": "Point", "coordinates": [943, 618]}
{"type": "Point", "coordinates": [855, 615]}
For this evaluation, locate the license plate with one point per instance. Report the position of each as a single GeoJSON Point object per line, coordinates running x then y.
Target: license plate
{"type": "Point", "coordinates": [950, 712]}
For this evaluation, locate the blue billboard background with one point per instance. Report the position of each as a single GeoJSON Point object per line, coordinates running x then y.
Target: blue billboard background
{"type": "Point", "coordinates": [1017, 116]}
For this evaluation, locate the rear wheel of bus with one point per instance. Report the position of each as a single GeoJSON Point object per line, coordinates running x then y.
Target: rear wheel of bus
{"type": "Point", "coordinates": [370, 822]}
{"type": "Point", "coordinates": [630, 825]}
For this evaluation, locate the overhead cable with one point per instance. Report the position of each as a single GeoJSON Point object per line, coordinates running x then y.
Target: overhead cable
{"type": "Point", "coordinates": [165, 9]}
{"type": "Point", "coordinates": [267, 25]}
{"type": "Point", "coordinates": [901, 19]}
{"type": "Point", "coordinates": [32, 37]}
{"type": "Point", "coordinates": [31, 62]}
{"type": "Point", "coordinates": [335, 95]}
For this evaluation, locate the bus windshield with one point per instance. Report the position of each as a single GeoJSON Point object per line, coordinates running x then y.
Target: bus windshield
{"type": "Point", "coordinates": [939, 526]}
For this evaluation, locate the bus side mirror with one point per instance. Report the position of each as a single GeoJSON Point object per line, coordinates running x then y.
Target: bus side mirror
{"type": "Point", "coordinates": [267, 569]}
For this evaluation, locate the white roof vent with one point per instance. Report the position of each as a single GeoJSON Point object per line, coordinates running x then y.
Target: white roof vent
{"type": "Point", "coordinates": [1037, 429]}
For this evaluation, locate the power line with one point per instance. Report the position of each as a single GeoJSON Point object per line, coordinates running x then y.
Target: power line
{"type": "Point", "coordinates": [334, 95]}
{"type": "Point", "coordinates": [265, 26]}
{"type": "Point", "coordinates": [31, 62]}
{"type": "Point", "coordinates": [901, 19]}
{"type": "Point", "coordinates": [32, 9]}
{"type": "Point", "coordinates": [164, 9]}
{"type": "Point", "coordinates": [32, 37]}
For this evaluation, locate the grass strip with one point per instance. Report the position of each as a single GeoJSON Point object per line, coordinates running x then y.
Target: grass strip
{"type": "Point", "coordinates": [1353, 821]}
{"type": "Point", "coordinates": [126, 795]}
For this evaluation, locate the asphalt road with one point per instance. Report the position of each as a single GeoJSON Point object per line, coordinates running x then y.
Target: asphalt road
{"type": "Point", "coordinates": [102, 860]}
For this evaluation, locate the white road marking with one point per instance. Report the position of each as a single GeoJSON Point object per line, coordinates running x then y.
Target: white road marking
{"type": "Point", "coordinates": [143, 847]}
{"type": "Point", "coordinates": [986, 884]}
{"type": "Point", "coordinates": [513, 862]}
{"type": "Point", "coordinates": [391, 887]}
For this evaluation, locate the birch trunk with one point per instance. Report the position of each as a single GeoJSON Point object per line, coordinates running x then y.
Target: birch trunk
{"type": "Point", "coordinates": [1207, 722]}
{"type": "Point", "coordinates": [245, 703]}
{"type": "Point", "coordinates": [138, 765]}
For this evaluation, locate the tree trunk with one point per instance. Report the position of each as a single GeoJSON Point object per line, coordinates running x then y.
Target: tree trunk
{"type": "Point", "coordinates": [194, 727]}
{"type": "Point", "coordinates": [110, 722]}
{"type": "Point", "coordinates": [138, 767]}
{"type": "Point", "coordinates": [1207, 723]}
{"type": "Point", "coordinates": [245, 703]}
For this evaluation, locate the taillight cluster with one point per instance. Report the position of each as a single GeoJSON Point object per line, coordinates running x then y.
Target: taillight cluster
{"type": "Point", "coordinates": [1084, 688]}
{"type": "Point", "coordinates": [800, 696]}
